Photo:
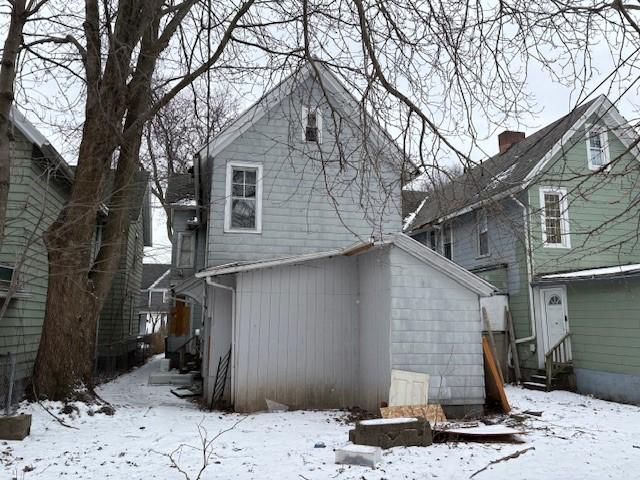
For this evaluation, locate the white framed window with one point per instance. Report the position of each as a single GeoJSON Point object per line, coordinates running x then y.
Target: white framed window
{"type": "Point", "coordinates": [555, 217]}
{"type": "Point", "coordinates": [186, 249]}
{"type": "Point", "coordinates": [433, 240]}
{"type": "Point", "coordinates": [447, 241]}
{"type": "Point", "coordinates": [311, 125]}
{"type": "Point", "coordinates": [482, 227]}
{"type": "Point", "coordinates": [597, 148]}
{"type": "Point", "coordinates": [243, 206]}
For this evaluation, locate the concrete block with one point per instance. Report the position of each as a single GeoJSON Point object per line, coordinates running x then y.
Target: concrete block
{"type": "Point", "coordinates": [392, 432]}
{"type": "Point", "coordinates": [15, 428]}
{"type": "Point", "coordinates": [359, 455]}
{"type": "Point", "coordinates": [165, 364]}
{"type": "Point", "coordinates": [169, 378]}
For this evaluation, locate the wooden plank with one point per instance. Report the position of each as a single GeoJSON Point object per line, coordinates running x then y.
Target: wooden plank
{"type": "Point", "coordinates": [433, 412]}
{"type": "Point", "coordinates": [494, 385]}
{"type": "Point", "coordinates": [512, 344]}
{"type": "Point", "coordinates": [492, 342]}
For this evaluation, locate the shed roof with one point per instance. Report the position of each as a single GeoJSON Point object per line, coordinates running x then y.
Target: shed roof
{"type": "Point", "coordinates": [419, 251]}
{"type": "Point", "coordinates": [156, 275]}
{"type": "Point", "coordinates": [506, 172]}
{"type": "Point", "coordinates": [180, 189]}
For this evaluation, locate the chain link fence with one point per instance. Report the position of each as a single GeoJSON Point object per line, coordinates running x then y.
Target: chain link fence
{"type": "Point", "coordinates": [11, 389]}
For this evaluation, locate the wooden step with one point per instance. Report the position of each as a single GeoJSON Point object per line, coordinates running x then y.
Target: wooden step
{"type": "Point", "coordinates": [539, 378]}
{"type": "Point", "coordinates": [535, 386]}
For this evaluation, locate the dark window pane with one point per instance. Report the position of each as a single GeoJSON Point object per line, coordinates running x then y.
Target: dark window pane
{"type": "Point", "coordinates": [484, 243]}
{"type": "Point", "coordinates": [250, 177]}
{"type": "Point", "coordinates": [238, 176]}
{"type": "Point", "coordinates": [237, 190]}
{"type": "Point", "coordinates": [250, 191]}
{"type": "Point", "coordinates": [447, 250]}
{"type": "Point", "coordinates": [243, 214]}
{"type": "Point", "coordinates": [311, 134]}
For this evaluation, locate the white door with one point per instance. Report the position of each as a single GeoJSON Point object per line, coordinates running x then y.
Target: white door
{"type": "Point", "coordinates": [408, 388]}
{"type": "Point", "coordinates": [554, 308]}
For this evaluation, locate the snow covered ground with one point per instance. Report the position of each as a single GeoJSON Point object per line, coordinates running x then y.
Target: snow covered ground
{"type": "Point", "coordinates": [577, 437]}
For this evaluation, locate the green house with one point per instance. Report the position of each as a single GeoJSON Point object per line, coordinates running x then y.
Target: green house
{"type": "Point", "coordinates": [40, 184]}
{"type": "Point", "coordinates": [553, 219]}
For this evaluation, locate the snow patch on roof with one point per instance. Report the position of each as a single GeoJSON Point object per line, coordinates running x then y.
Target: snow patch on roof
{"type": "Point", "coordinates": [595, 272]}
{"type": "Point", "coordinates": [406, 223]}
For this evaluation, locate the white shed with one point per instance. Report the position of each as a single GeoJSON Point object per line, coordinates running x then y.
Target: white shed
{"type": "Point", "coordinates": [325, 330]}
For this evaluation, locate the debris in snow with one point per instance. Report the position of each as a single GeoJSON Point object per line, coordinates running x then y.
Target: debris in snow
{"type": "Point", "coordinates": [359, 455]}
{"type": "Point", "coordinates": [319, 445]}
{"type": "Point", "coordinates": [503, 459]}
{"type": "Point", "coordinates": [433, 413]}
{"type": "Point", "coordinates": [275, 407]}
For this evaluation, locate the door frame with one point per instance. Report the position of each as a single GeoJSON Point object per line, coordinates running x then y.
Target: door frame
{"type": "Point", "coordinates": [544, 342]}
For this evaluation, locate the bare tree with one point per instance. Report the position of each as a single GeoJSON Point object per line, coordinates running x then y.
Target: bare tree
{"type": "Point", "coordinates": [429, 70]}
{"type": "Point", "coordinates": [175, 133]}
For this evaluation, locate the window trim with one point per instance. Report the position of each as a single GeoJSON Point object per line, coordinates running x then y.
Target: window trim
{"type": "Point", "coordinates": [181, 236]}
{"type": "Point", "coordinates": [565, 232]}
{"type": "Point", "coordinates": [604, 143]}
{"type": "Point", "coordinates": [479, 253]}
{"type": "Point", "coordinates": [305, 116]}
{"type": "Point", "coordinates": [227, 203]}
{"type": "Point", "coordinates": [445, 227]}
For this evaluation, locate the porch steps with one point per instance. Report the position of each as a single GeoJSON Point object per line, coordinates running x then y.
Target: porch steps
{"type": "Point", "coordinates": [562, 380]}
{"type": "Point", "coordinates": [535, 386]}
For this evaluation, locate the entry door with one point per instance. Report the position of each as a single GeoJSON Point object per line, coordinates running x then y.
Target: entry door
{"type": "Point", "coordinates": [555, 315]}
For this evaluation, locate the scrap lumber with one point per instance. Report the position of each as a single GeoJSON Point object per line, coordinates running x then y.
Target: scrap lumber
{"type": "Point", "coordinates": [512, 344]}
{"type": "Point", "coordinates": [433, 413]}
{"type": "Point", "coordinates": [494, 385]}
{"type": "Point", "coordinates": [492, 342]}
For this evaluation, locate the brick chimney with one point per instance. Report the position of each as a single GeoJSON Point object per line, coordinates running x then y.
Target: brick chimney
{"type": "Point", "coordinates": [508, 138]}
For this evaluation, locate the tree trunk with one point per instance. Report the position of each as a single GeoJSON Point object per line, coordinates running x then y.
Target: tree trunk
{"type": "Point", "coordinates": [7, 80]}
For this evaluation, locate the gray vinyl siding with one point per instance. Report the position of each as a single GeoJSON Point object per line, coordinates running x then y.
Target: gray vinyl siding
{"type": "Point", "coordinates": [507, 246]}
{"type": "Point", "coordinates": [298, 213]}
{"type": "Point", "coordinates": [34, 202]}
{"type": "Point", "coordinates": [297, 335]}
{"type": "Point", "coordinates": [436, 329]}
{"type": "Point", "coordinates": [374, 327]}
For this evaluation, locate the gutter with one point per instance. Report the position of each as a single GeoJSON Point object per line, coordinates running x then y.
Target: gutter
{"type": "Point", "coordinates": [215, 284]}
{"type": "Point", "coordinates": [525, 218]}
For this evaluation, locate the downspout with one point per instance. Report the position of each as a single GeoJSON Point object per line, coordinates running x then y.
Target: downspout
{"type": "Point", "coordinates": [214, 284]}
{"type": "Point", "coordinates": [527, 242]}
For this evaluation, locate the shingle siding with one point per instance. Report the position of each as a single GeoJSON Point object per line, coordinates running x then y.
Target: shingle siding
{"type": "Point", "coordinates": [436, 329]}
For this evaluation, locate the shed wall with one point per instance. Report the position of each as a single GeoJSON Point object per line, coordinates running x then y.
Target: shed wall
{"type": "Point", "coordinates": [436, 329]}
{"type": "Point", "coordinates": [375, 312]}
{"type": "Point", "coordinates": [297, 335]}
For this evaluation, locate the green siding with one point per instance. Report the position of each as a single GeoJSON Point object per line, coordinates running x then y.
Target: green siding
{"type": "Point", "coordinates": [593, 201]}
{"type": "Point", "coordinates": [497, 277]}
{"type": "Point", "coordinates": [604, 317]}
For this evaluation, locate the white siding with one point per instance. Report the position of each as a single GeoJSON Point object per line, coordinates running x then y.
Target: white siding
{"type": "Point", "coordinates": [297, 335]}
{"type": "Point", "coordinates": [375, 312]}
{"type": "Point", "coordinates": [436, 329]}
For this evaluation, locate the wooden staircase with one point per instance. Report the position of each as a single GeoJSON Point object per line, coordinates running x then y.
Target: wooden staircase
{"type": "Point", "coordinates": [558, 372]}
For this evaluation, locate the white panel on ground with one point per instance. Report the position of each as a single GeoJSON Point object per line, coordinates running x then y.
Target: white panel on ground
{"type": "Point", "coordinates": [408, 388]}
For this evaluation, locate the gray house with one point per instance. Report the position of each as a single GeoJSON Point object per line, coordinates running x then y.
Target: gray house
{"type": "Point", "coordinates": [552, 221]}
{"type": "Point", "coordinates": [275, 199]}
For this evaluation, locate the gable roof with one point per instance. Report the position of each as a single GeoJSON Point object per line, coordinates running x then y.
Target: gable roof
{"type": "Point", "coordinates": [276, 94]}
{"type": "Point", "coordinates": [416, 249]}
{"type": "Point", "coordinates": [180, 189]}
{"type": "Point", "coordinates": [33, 135]}
{"type": "Point", "coordinates": [506, 173]}
{"type": "Point", "coordinates": [156, 275]}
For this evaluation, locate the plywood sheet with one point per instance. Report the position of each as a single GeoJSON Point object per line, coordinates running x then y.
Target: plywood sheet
{"type": "Point", "coordinates": [433, 413]}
